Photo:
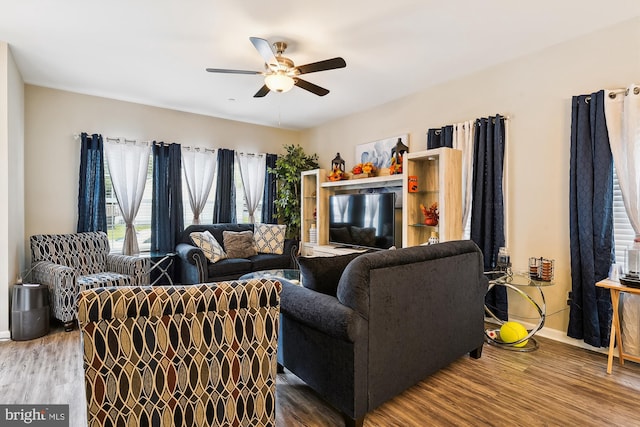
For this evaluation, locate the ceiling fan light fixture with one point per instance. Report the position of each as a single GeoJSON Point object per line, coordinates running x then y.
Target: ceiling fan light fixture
{"type": "Point", "coordinates": [279, 82]}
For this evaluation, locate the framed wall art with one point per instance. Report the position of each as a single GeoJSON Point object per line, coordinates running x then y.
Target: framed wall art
{"type": "Point", "coordinates": [379, 152]}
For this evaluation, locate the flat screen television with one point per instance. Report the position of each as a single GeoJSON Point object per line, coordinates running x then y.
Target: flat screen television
{"type": "Point", "coordinates": [362, 220]}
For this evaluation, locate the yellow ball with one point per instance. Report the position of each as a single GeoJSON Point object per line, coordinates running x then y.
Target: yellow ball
{"type": "Point", "coordinates": [512, 332]}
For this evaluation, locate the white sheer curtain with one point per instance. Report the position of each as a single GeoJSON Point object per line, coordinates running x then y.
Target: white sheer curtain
{"type": "Point", "coordinates": [199, 167]}
{"type": "Point", "coordinates": [622, 112]}
{"type": "Point", "coordinates": [128, 164]}
{"type": "Point", "coordinates": [463, 141]}
{"type": "Point", "coordinates": [252, 171]}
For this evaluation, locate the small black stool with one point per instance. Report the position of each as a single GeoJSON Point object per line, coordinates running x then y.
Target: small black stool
{"type": "Point", "coordinates": [29, 312]}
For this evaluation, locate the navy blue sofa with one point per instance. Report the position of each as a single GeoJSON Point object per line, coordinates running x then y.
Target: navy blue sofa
{"type": "Point", "coordinates": [193, 267]}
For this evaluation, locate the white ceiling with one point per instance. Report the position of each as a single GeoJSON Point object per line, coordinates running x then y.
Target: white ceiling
{"type": "Point", "coordinates": [155, 52]}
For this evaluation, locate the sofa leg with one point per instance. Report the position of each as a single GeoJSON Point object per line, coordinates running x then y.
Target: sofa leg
{"type": "Point", "coordinates": [68, 326]}
{"type": "Point", "coordinates": [280, 369]}
{"type": "Point", "coordinates": [476, 353]}
{"type": "Point", "coordinates": [350, 422]}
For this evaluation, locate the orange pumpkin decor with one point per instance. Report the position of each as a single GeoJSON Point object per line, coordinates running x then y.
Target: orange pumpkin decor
{"type": "Point", "coordinates": [396, 165]}
{"type": "Point", "coordinates": [336, 175]}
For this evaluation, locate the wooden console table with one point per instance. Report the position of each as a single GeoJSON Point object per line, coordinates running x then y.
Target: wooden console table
{"type": "Point", "coordinates": [616, 333]}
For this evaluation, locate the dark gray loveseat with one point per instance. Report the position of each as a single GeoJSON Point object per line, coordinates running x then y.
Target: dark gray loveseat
{"type": "Point", "coordinates": [397, 317]}
{"type": "Point", "coordinates": [193, 267]}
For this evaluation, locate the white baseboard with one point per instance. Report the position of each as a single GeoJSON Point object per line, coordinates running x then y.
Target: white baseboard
{"type": "Point", "coordinates": [560, 336]}
{"type": "Point", "coordinates": [5, 335]}
{"type": "Point", "coordinates": [556, 335]}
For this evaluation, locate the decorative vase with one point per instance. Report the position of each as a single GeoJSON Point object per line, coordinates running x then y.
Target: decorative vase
{"type": "Point", "coordinates": [431, 214]}
{"type": "Point", "coordinates": [431, 221]}
{"type": "Point", "coordinates": [313, 234]}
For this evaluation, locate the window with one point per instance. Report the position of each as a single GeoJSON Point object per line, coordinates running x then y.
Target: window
{"type": "Point", "coordinates": [115, 222]}
{"type": "Point", "coordinates": [242, 213]}
{"type": "Point", "coordinates": [206, 216]}
{"type": "Point", "coordinates": [623, 233]}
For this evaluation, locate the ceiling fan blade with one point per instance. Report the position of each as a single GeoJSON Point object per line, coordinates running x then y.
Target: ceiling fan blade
{"type": "Point", "coordinates": [264, 49]}
{"type": "Point", "coordinates": [224, 70]}
{"type": "Point", "coordinates": [303, 84]}
{"type": "Point", "coordinates": [327, 64]}
{"type": "Point", "coordinates": [262, 92]}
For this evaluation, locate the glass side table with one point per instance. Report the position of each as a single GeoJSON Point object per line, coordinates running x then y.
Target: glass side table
{"type": "Point", "coordinates": [161, 266]}
{"type": "Point", "coordinates": [516, 282]}
{"type": "Point", "coordinates": [288, 274]}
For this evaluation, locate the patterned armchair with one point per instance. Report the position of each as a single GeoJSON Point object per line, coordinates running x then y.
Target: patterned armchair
{"type": "Point", "coordinates": [70, 263]}
{"type": "Point", "coordinates": [202, 355]}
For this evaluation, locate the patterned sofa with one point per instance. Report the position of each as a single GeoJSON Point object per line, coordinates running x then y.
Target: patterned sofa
{"type": "Point", "coordinates": [69, 263]}
{"type": "Point", "coordinates": [201, 355]}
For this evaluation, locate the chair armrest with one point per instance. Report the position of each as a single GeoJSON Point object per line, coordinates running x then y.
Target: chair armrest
{"type": "Point", "coordinates": [192, 264]}
{"type": "Point", "coordinates": [291, 248]}
{"type": "Point", "coordinates": [321, 312]}
{"type": "Point", "coordinates": [52, 275]}
{"type": "Point", "coordinates": [63, 291]}
{"type": "Point", "coordinates": [135, 266]}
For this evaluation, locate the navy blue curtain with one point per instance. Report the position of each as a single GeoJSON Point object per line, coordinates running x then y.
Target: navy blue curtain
{"type": "Point", "coordinates": [270, 189]}
{"type": "Point", "coordinates": [591, 220]}
{"type": "Point", "coordinates": [166, 207]}
{"type": "Point", "coordinates": [92, 213]}
{"type": "Point", "coordinates": [487, 210]}
{"type": "Point", "coordinates": [440, 137]}
{"type": "Point", "coordinates": [224, 208]}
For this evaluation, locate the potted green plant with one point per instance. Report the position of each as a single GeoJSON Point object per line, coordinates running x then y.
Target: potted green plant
{"type": "Point", "coordinates": [287, 172]}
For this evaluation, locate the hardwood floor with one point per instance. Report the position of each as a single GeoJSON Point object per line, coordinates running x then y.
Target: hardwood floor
{"type": "Point", "coordinates": [557, 385]}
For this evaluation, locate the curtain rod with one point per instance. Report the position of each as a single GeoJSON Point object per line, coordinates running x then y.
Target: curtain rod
{"type": "Point", "coordinates": [613, 93]}
{"type": "Point", "coordinates": [205, 149]}
{"type": "Point", "coordinates": [249, 154]}
{"type": "Point", "coordinates": [438, 130]}
{"type": "Point", "coordinates": [118, 140]}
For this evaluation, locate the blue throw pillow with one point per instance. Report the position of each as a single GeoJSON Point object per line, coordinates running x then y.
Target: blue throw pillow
{"type": "Point", "coordinates": [322, 274]}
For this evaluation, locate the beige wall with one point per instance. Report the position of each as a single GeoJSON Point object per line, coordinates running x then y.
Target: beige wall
{"type": "Point", "coordinates": [535, 91]}
{"type": "Point", "coordinates": [53, 155]}
{"type": "Point", "coordinates": [11, 181]}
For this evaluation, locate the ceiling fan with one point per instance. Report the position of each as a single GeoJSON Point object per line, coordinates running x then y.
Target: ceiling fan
{"type": "Point", "coordinates": [280, 73]}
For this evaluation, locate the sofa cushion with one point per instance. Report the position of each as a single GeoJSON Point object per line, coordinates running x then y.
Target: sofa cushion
{"type": "Point", "coordinates": [269, 238]}
{"type": "Point", "coordinates": [322, 274]}
{"type": "Point", "coordinates": [216, 230]}
{"type": "Point", "coordinates": [209, 245]}
{"type": "Point", "coordinates": [269, 262]}
{"type": "Point", "coordinates": [103, 280]}
{"type": "Point", "coordinates": [364, 236]}
{"type": "Point", "coordinates": [239, 244]}
{"type": "Point", "coordinates": [229, 267]}
{"type": "Point", "coordinates": [340, 234]}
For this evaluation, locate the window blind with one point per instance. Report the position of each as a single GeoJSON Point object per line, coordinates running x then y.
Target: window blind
{"type": "Point", "coordinates": [623, 233]}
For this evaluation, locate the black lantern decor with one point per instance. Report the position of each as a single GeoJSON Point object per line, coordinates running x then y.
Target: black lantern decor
{"type": "Point", "coordinates": [399, 150]}
{"type": "Point", "coordinates": [337, 163]}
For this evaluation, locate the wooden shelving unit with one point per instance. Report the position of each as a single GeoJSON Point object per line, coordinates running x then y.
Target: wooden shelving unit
{"type": "Point", "coordinates": [439, 174]}
{"type": "Point", "coordinates": [314, 205]}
